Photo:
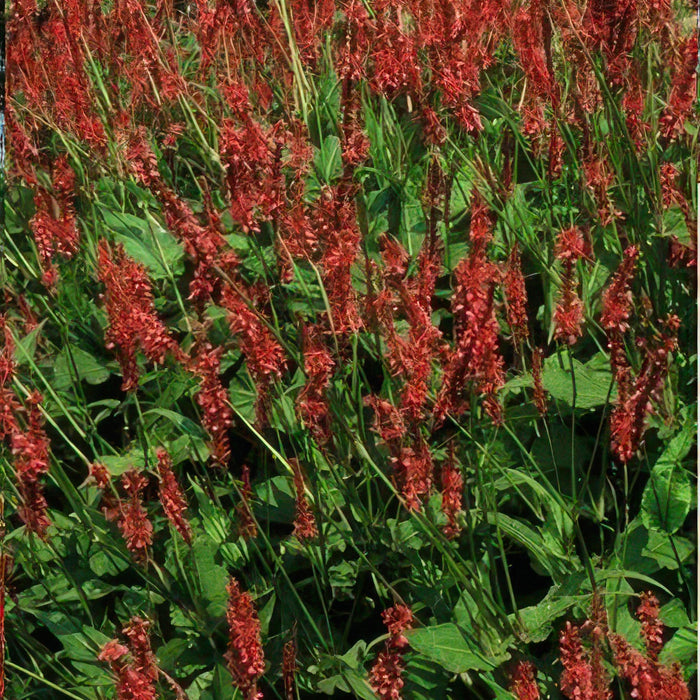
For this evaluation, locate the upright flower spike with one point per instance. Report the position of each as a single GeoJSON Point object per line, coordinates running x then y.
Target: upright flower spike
{"type": "Point", "coordinates": [617, 309]}
{"type": "Point", "coordinates": [133, 518]}
{"type": "Point", "coordinates": [476, 359]}
{"type": "Point", "coordinates": [133, 321]}
{"type": "Point", "coordinates": [577, 679]}
{"type": "Point", "coordinates": [245, 657]}
{"type": "Point", "coordinates": [539, 393]}
{"type": "Point", "coordinates": [311, 403]}
{"type": "Point", "coordinates": [568, 315]}
{"type": "Point", "coordinates": [30, 448]}
{"type": "Point", "coordinates": [134, 665]}
{"type": "Point", "coordinates": [246, 526]}
{"type": "Point", "coordinates": [628, 419]}
{"type": "Point", "coordinates": [386, 675]}
{"type": "Point", "coordinates": [171, 497]}
{"type": "Point", "coordinates": [646, 678]}
{"type": "Point", "coordinates": [289, 668]}
{"type": "Point", "coordinates": [452, 495]}
{"type": "Point", "coordinates": [212, 398]}
{"type": "Point", "coordinates": [304, 520]}
{"type": "Point", "coordinates": [523, 681]}
{"type": "Point", "coordinates": [516, 297]}
{"type": "Point", "coordinates": [652, 627]}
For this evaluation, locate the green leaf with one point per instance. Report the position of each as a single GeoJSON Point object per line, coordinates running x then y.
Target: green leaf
{"type": "Point", "coordinates": [445, 645]}
{"type": "Point", "coordinates": [25, 347]}
{"type": "Point", "coordinates": [186, 425]}
{"type": "Point", "coordinates": [82, 646]}
{"type": "Point", "coordinates": [243, 395]}
{"type": "Point", "coordinates": [87, 368]}
{"type": "Point", "coordinates": [592, 380]}
{"type": "Point", "coordinates": [539, 619]}
{"type": "Point", "coordinates": [118, 464]}
{"type": "Point", "coordinates": [673, 614]}
{"type": "Point", "coordinates": [212, 577]}
{"type": "Point", "coordinates": [146, 242]}
{"type": "Point", "coordinates": [102, 562]}
{"type": "Point", "coordinates": [424, 680]}
{"type": "Point", "coordinates": [328, 161]}
{"type": "Point", "coordinates": [683, 649]}
{"type": "Point", "coordinates": [680, 444]}
{"type": "Point", "coordinates": [667, 498]}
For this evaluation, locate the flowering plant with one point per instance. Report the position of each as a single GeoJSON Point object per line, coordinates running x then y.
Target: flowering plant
{"type": "Point", "coordinates": [348, 348]}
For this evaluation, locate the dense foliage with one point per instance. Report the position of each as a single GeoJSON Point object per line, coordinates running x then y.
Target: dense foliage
{"type": "Point", "coordinates": [348, 348]}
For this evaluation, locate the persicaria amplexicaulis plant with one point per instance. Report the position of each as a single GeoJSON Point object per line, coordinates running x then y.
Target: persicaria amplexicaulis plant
{"type": "Point", "coordinates": [310, 306]}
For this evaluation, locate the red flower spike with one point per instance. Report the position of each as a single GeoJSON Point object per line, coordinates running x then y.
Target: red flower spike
{"type": "Point", "coordinates": [137, 675]}
{"type": "Point", "coordinates": [476, 359]}
{"type": "Point", "coordinates": [577, 679]}
{"type": "Point", "coordinates": [652, 627]}
{"type": "Point", "coordinates": [523, 681]}
{"type": "Point", "coordinates": [452, 495]}
{"type": "Point", "coordinates": [304, 520]}
{"type": "Point", "coordinates": [646, 678]}
{"type": "Point", "coordinates": [133, 522]}
{"type": "Point", "coordinates": [311, 403]}
{"type": "Point", "coordinates": [133, 322]}
{"type": "Point", "coordinates": [539, 393]}
{"type": "Point", "coordinates": [617, 298]}
{"type": "Point", "coordinates": [289, 668]}
{"type": "Point", "coordinates": [245, 653]}
{"type": "Point", "coordinates": [30, 449]}
{"type": "Point", "coordinates": [634, 403]}
{"type": "Point", "coordinates": [398, 619]}
{"type": "Point", "coordinates": [516, 297]}
{"type": "Point", "coordinates": [568, 315]}
{"type": "Point", "coordinates": [247, 528]}
{"type": "Point", "coordinates": [171, 497]}
{"type": "Point", "coordinates": [212, 398]}
{"type": "Point", "coordinates": [385, 677]}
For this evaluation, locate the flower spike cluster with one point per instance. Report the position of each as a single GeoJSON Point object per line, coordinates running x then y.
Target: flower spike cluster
{"type": "Point", "coordinates": [245, 657]}
{"type": "Point", "coordinates": [385, 677]}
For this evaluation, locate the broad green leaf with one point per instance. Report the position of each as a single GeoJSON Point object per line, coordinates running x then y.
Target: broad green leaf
{"type": "Point", "coordinates": [70, 362]}
{"type": "Point", "coordinates": [592, 381]}
{"type": "Point", "coordinates": [184, 424]}
{"type": "Point", "coordinates": [673, 614]}
{"type": "Point", "coordinates": [146, 242]}
{"type": "Point", "coordinates": [118, 464]}
{"type": "Point", "coordinates": [682, 648]}
{"type": "Point", "coordinates": [680, 444]}
{"type": "Point", "coordinates": [667, 498]}
{"type": "Point", "coordinates": [424, 680]}
{"type": "Point", "coordinates": [213, 578]}
{"type": "Point", "coordinates": [446, 646]}
{"type": "Point", "coordinates": [243, 395]}
{"type": "Point", "coordinates": [25, 347]}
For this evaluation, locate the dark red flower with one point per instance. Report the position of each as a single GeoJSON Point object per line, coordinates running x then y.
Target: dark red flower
{"type": "Point", "coordinates": [568, 315]}
{"type": "Point", "coordinates": [304, 520]}
{"type": "Point", "coordinates": [212, 398]}
{"type": "Point", "coordinates": [133, 321]}
{"type": "Point", "coordinates": [246, 526]}
{"type": "Point", "coordinates": [452, 495]}
{"type": "Point", "coordinates": [133, 518]}
{"type": "Point", "coordinates": [523, 681]}
{"type": "Point", "coordinates": [245, 657]}
{"type": "Point", "coordinates": [171, 497]}
{"type": "Point", "coordinates": [30, 448]}
{"type": "Point", "coordinates": [516, 297]}
{"type": "Point", "coordinates": [652, 627]}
